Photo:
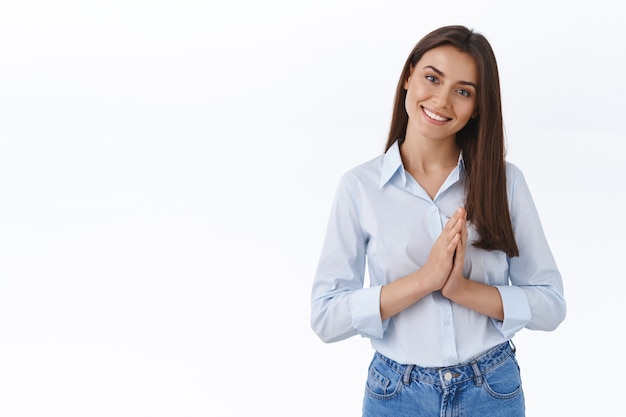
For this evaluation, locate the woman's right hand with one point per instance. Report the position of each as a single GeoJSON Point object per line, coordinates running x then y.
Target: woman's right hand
{"type": "Point", "coordinates": [406, 291]}
{"type": "Point", "coordinates": [440, 260]}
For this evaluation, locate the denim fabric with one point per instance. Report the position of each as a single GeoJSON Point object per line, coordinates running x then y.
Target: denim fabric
{"type": "Point", "coordinates": [488, 386]}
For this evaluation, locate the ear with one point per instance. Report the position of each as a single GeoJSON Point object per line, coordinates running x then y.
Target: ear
{"type": "Point", "coordinates": [475, 114]}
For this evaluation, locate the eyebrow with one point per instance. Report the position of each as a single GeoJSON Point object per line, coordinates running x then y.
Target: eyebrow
{"type": "Point", "coordinates": [438, 71]}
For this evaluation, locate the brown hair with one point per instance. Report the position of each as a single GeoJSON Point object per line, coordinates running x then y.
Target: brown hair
{"type": "Point", "coordinates": [481, 140]}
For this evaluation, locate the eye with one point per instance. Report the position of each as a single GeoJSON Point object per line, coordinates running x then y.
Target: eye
{"type": "Point", "coordinates": [432, 79]}
{"type": "Point", "coordinates": [464, 93]}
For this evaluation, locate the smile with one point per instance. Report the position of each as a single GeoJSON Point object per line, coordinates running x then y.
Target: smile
{"type": "Point", "coordinates": [435, 116]}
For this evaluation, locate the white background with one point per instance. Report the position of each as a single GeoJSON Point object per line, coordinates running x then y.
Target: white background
{"type": "Point", "coordinates": [167, 169]}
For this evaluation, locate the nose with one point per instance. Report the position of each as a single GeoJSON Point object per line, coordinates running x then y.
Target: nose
{"type": "Point", "coordinates": [441, 98]}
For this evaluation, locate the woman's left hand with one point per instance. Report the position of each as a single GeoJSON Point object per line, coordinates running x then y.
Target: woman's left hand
{"type": "Point", "coordinates": [456, 280]}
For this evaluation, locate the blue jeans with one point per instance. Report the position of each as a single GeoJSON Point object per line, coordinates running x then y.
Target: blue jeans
{"type": "Point", "coordinates": [488, 386]}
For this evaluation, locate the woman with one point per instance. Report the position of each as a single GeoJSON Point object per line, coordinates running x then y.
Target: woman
{"type": "Point", "coordinates": [456, 255]}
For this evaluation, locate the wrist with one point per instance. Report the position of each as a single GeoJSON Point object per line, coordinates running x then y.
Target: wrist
{"type": "Point", "coordinates": [425, 281]}
{"type": "Point", "coordinates": [454, 288]}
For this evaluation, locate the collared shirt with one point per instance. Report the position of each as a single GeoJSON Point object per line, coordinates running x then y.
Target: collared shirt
{"type": "Point", "coordinates": [382, 220]}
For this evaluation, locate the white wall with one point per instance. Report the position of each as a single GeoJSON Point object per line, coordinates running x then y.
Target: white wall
{"type": "Point", "coordinates": [166, 171]}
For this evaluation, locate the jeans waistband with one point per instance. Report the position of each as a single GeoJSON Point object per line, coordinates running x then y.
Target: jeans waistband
{"type": "Point", "coordinates": [456, 374]}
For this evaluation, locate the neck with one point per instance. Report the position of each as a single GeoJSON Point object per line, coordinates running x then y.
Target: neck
{"type": "Point", "coordinates": [429, 154]}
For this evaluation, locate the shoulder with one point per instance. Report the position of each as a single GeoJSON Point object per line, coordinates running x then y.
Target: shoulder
{"type": "Point", "coordinates": [516, 186]}
{"type": "Point", "coordinates": [514, 175]}
{"type": "Point", "coordinates": [363, 175]}
{"type": "Point", "coordinates": [512, 170]}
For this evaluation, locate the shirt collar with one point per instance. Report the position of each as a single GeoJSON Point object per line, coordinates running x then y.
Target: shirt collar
{"type": "Point", "coordinates": [461, 162]}
{"type": "Point", "coordinates": [392, 163]}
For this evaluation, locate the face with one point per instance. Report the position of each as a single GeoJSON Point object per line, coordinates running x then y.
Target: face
{"type": "Point", "coordinates": [441, 93]}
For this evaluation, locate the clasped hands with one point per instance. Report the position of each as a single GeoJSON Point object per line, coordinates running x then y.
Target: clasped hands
{"type": "Point", "coordinates": [445, 262]}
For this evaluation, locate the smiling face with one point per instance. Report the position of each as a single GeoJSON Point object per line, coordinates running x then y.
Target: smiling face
{"type": "Point", "coordinates": [441, 94]}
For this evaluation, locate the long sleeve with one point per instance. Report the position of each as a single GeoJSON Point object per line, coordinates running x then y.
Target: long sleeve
{"type": "Point", "coordinates": [340, 306]}
{"type": "Point", "coordinates": [535, 298]}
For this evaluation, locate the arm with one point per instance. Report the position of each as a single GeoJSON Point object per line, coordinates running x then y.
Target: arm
{"type": "Point", "coordinates": [535, 297]}
{"type": "Point", "coordinates": [404, 292]}
{"type": "Point", "coordinates": [340, 306]}
{"type": "Point", "coordinates": [482, 298]}
{"type": "Point", "coordinates": [536, 283]}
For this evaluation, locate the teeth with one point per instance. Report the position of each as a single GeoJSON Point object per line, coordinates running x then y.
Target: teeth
{"type": "Point", "coordinates": [434, 116]}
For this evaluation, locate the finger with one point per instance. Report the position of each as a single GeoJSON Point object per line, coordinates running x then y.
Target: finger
{"type": "Point", "coordinates": [460, 248]}
{"type": "Point", "coordinates": [464, 236]}
{"type": "Point", "coordinates": [454, 243]}
{"type": "Point", "coordinates": [459, 256]}
{"type": "Point", "coordinates": [452, 221]}
{"type": "Point", "coordinates": [464, 233]}
{"type": "Point", "coordinates": [457, 227]}
{"type": "Point", "coordinates": [449, 239]}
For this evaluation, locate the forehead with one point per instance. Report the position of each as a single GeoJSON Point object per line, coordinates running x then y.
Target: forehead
{"type": "Point", "coordinates": [454, 64]}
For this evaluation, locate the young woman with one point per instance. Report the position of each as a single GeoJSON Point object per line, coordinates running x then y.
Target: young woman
{"type": "Point", "coordinates": [456, 254]}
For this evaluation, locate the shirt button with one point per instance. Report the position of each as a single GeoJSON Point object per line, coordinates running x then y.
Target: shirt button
{"type": "Point", "coordinates": [433, 209]}
{"type": "Point", "coordinates": [446, 321]}
{"type": "Point", "coordinates": [447, 376]}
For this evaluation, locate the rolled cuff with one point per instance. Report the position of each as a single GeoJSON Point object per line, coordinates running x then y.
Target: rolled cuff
{"type": "Point", "coordinates": [365, 311]}
{"type": "Point", "coordinates": [517, 312]}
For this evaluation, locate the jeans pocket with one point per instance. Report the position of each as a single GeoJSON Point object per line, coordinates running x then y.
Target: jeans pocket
{"type": "Point", "coordinates": [504, 380]}
{"type": "Point", "coordinates": [383, 382]}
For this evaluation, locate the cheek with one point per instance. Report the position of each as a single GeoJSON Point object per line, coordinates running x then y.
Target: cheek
{"type": "Point", "coordinates": [409, 101]}
{"type": "Point", "coordinates": [414, 94]}
{"type": "Point", "coordinates": [465, 110]}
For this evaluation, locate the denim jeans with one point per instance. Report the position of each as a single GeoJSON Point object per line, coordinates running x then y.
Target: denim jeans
{"type": "Point", "coordinates": [488, 386]}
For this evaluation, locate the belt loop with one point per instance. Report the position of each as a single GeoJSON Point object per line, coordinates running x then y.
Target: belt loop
{"type": "Point", "coordinates": [512, 345]}
{"type": "Point", "coordinates": [478, 380]}
{"type": "Point", "coordinates": [407, 374]}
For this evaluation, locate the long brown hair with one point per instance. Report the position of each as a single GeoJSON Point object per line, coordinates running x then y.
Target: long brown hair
{"type": "Point", "coordinates": [481, 140]}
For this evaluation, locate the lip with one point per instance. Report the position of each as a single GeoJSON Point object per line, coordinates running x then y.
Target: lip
{"type": "Point", "coordinates": [435, 117]}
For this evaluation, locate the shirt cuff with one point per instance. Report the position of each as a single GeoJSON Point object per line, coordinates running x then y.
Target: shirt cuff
{"type": "Point", "coordinates": [516, 310]}
{"type": "Point", "coordinates": [365, 310]}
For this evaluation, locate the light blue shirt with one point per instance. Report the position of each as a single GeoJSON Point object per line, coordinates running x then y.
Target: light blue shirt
{"type": "Point", "coordinates": [384, 220]}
